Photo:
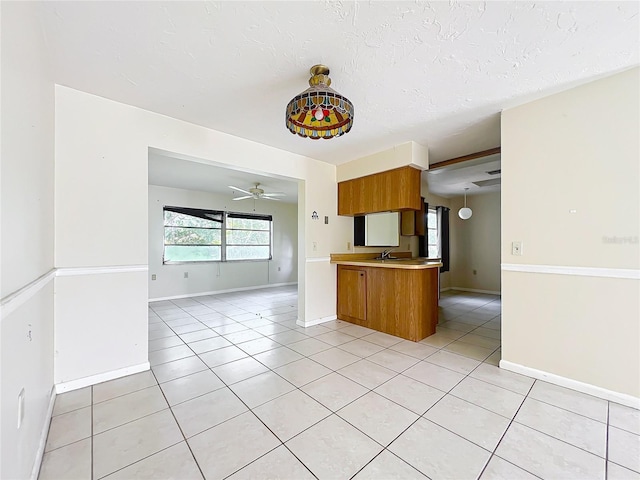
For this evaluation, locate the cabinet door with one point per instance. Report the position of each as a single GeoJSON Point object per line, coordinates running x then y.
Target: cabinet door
{"type": "Point", "coordinates": [352, 294]}
{"type": "Point", "coordinates": [351, 197]}
{"type": "Point", "coordinates": [414, 222]}
{"type": "Point", "coordinates": [397, 189]}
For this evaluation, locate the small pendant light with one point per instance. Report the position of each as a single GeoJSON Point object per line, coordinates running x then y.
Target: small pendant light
{"type": "Point", "coordinates": [465, 213]}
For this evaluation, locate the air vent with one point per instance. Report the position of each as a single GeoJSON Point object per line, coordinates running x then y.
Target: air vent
{"type": "Point", "coordinates": [487, 183]}
{"type": "Point", "coordinates": [494, 172]}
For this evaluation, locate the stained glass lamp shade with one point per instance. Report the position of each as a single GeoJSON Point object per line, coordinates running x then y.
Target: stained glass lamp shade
{"type": "Point", "coordinates": [319, 111]}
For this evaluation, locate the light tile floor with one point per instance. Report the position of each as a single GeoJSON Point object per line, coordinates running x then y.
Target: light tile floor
{"type": "Point", "coordinates": [237, 390]}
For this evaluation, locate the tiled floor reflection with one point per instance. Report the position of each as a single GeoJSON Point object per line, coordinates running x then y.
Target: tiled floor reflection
{"type": "Point", "coordinates": [237, 390]}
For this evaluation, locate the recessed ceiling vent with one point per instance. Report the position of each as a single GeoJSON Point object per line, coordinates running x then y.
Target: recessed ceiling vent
{"type": "Point", "coordinates": [487, 183]}
{"type": "Point", "coordinates": [494, 172]}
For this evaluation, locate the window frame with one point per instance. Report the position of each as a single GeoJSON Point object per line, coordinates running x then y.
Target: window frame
{"type": "Point", "coordinates": [201, 213]}
{"type": "Point", "coordinates": [248, 216]}
{"type": "Point", "coordinates": [437, 230]}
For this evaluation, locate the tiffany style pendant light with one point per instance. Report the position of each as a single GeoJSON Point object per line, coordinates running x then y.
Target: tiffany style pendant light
{"type": "Point", "coordinates": [319, 111]}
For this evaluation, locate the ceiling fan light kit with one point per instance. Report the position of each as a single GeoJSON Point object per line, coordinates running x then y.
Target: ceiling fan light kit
{"type": "Point", "coordinates": [465, 212]}
{"type": "Point", "coordinates": [257, 193]}
{"type": "Point", "coordinates": [319, 111]}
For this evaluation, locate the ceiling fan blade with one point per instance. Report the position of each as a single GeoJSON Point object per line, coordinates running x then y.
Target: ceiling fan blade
{"type": "Point", "coordinates": [239, 189]}
{"type": "Point", "coordinates": [243, 198]}
{"type": "Point", "coordinates": [269, 198]}
{"type": "Point", "coordinates": [274, 194]}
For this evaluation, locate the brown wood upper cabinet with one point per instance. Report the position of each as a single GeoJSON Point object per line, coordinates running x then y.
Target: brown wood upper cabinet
{"type": "Point", "coordinates": [397, 189]}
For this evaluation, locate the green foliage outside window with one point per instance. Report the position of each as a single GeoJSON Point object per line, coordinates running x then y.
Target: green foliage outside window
{"type": "Point", "coordinates": [198, 236]}
{"type": "Point", "coordinates": [432, 234]}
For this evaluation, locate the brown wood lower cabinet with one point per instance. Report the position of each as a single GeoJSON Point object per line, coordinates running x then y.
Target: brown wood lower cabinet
{"type": "Point", "coordinates": [401, 302]}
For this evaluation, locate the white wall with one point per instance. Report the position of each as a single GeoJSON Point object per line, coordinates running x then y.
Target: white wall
{"type": "Point", "coordinates": [570, 176]}
{"type": "Point", "coordinates": [210, 277]}
{"type": "Point", "coordinates": [475, 243]}
{"type": "Point", "coordinates": [102, 211]}
{"type": "Point", "coordinates": [26, 333]}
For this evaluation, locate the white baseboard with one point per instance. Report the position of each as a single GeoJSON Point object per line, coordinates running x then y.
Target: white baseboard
{"type": "Point", "coordinates": [218, 292]}
{"type": "Point", "coordinates": [317, 259]}
{"type": "Point", "coordinates": [317, 321]}
{"type": "Point", "coordinates": [474, 290]}
{"type": "Point", "coordinates": [35, 471]}
{"type": "Point", "coordinates": [101, 377]}
{"type": "Point", "coordinates": [617, 397]}
{"type": "Point", "coordinates": [445, 289]}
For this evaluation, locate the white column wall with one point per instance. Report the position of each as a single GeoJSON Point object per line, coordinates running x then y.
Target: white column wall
{"type": "Point", "coordinates": [102, 209]}
{"type": "Point", "coordinates": [26, 240]}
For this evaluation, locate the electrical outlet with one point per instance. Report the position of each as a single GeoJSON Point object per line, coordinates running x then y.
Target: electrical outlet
{"type": "Point", "coordinates": [153, 277]}
{"type": "Point", "coordinates": [516, 248]}
{"type": "Point", "coordinates": [326, 220]}
{"type": "Point", "coordinates": [278, 268]}
{"type": "Point", "coordinates": [186, 274]}
{"type": "Point", "coordinates": [348, 245]}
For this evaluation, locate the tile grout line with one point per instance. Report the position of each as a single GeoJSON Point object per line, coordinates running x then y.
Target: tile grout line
{"type": "Point", "coordinates": [365, 465]}
{"type": "Point", "coordinates": [92, 474]}
{"type": "Point", "coordinates": [558, 439]}
{"type": "Point", "coordinates": [495, 449]}
{"type": "Point", "coordinates": [140, 459]}
{"type": "Point", "coordinates": [606, 443]}
{"type": "Point", "coordinates": [184, 438]}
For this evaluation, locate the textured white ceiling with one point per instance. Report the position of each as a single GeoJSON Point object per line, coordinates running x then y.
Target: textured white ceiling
{"type": "Point", "coordinates": [451, 181]}
{"type": "Point", "coordinates": [168, 171]}
{"type": "Point", "coordinates": [434, 72]}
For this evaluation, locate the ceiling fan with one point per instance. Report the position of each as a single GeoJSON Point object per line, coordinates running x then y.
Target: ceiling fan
{"type": "Point", "coordinates": [257, 193]}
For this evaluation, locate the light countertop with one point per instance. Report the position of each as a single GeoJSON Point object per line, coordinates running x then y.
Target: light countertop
{"type": "Point", "coordinates": [403, 263]}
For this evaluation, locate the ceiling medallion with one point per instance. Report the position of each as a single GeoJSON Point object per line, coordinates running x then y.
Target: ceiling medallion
{"type": "Point", "coordinates": [319, 111]}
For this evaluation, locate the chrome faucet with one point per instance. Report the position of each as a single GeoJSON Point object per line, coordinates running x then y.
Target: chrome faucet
{"type": "Point", "coordinates": [385, 254]}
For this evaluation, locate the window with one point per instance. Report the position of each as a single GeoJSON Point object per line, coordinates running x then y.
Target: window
{"type": "Point", "coordinates": [192, 235]}
{"type": "Point", "coordinates": [248, 237]}
{"type": "Point", "coordinates": [432, 234]}
{"type": "Point", "coordinates": [196, 235]}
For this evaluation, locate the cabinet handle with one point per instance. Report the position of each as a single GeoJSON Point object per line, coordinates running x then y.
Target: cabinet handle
{"type": "Point", "coordinates": [362, 274]}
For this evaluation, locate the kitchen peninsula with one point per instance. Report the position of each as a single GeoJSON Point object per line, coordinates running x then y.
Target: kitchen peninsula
{"type": "Point", "coordinates": [395, 296]}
